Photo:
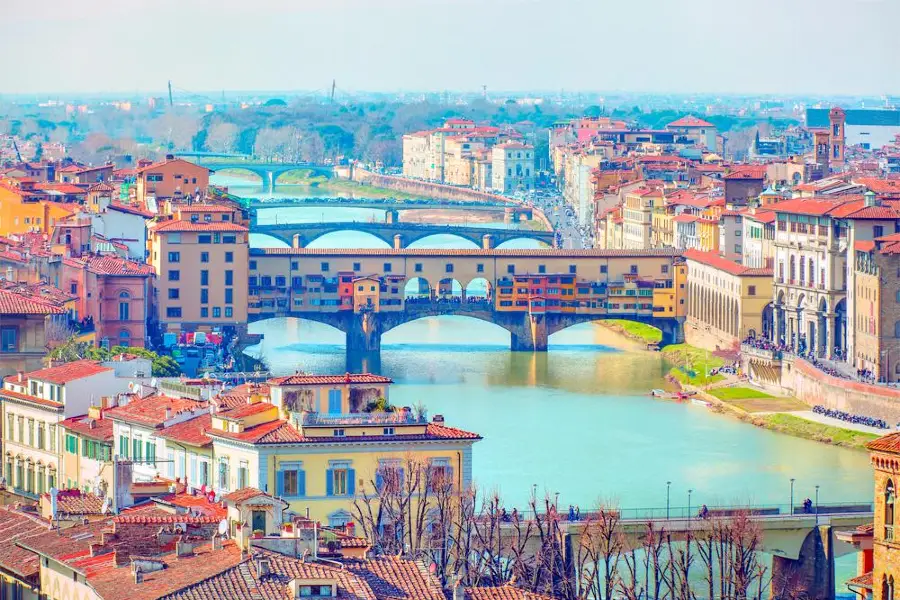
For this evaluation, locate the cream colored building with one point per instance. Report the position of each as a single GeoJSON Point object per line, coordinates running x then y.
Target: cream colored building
{"type": "Point", "coordinates": [512, 167]}
{"type": "Point", "coordinates": [34, 404]}
{"type": "Point", "coordinates": [727, 302]}
{"type": "Point", "coordinates": [637, 217]}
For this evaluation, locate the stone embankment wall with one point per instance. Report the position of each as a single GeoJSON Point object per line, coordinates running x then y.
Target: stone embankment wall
{"type": "Point", "coordinates": [438, 190]}
{"type": "Point", "coordinates": [814, 387]}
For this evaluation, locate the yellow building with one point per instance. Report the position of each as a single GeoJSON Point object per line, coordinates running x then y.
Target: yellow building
{"type": "Point", "coordinates": [884, 578]}
{"type": "Point", "coordinates": [200, 258]}
{"type": "Point", "coordinates": [314, 445]}
{"type": "Point", "coordinates": [727, 302]}
{"type": "Point", "coordinates": [23, 209]}
{"type": "Point", "coordinates": [876, 319]}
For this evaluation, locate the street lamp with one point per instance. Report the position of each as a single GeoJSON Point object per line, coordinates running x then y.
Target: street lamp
{"type": "Point", "coordinates": [689, 504]}
{"type": "Point", "coordinates": [791, 509]}
{"type": "Point", "coordinates": [817, 505]}
{"type": "Point", "coordinates": [668, 487]}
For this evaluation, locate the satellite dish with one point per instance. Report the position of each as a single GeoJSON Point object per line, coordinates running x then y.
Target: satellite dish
{"type": "Point", "coordinates": [223, 527]}
{"type": "Point", "coordinates": [107, 504]}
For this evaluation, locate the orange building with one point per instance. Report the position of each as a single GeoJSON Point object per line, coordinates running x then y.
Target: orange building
{"type": "Point", "coordinates": [173, 178]}
{"type": "Point", "coordinates": [24, 208]}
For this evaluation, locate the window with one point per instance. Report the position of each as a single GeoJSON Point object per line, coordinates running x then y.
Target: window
{"type": "Point", "coordinates": [223, 474]}
{"type": "Point", "coordinates": [174, 293]}
{"type": "Point", "coordinates": [204, 295]}
{"type": "Point", "coordinates": [542, 268]}
{"type": "Point", "coordinates": [217, 312]}
{"type": "Point", "coordinates": [315, 591]}
{"type": "Point", "coordinates": [252, 265]}
{"type": "Point", "coordinates": [174, 238]}
{"type": "Point", "coordinates": [137, 449]}
{"type": "Point", "coordinates": [751, 290]}
{"type": "Point", "coordinates": [204, 312]}
{"type": "Point", "coordinates": [229, 312]}
{"type": "Point", "coordinates": [204, 239]}
{"type": "Point", "coordinates": [388, 431]}
{"type": "Point", "coordinates": [124, 312]}
{"type": "Point", "coordinates": [229, 296]}
{"type": "Point", "coordinates": [418, 267]}
{"type": "Point", "coordinates": [174, 257]}
{"type": "Point", "coordinates": [511, 269]}
{"type": "Point", "coordinates": [603, 269]}
{"type": "Point", "coordinates": [340, 479]}
{"type": "Point", "coordinates": [387, 267]}
{"type": "Point", "coordinates": [633, 269]}
{"type": "Point", "coordinates": [51, 433]}
{"type": "Point", "coordinates": [243, 475]}
{"type": "Point", "coordinates": [150, 454]}
{"type": "Point", "coordinates": [174, 275]}
{"type": "Point", "coordinates": [889, 510]}
{"type": "Point", "coordinates": [229, 239]}
{"type": "Point", "coordinates": [123, 446]}
{"type": "Point", "coordinates": [71, 444]}
{"type": "Point", "coordinates": [479, 268]}
{"type": "Point", "coordinates": [204, 257]}
{"type": "Point", "coordinates": [325, 267]}
{"type": "Point", "coordinates": [229, 257]}
{"type": "Point", "coordinates": [334, 402]}
{"type": "Point", "coordinates": [290, 480]}
{"type": "Point", "coordinates": [448, 268]}
{"type": "Point", "coordinates": [204, 277]}
{"type": "Point", "coordinates": [9, 339]}
{"type": "Point", "coordinates": [173, 312]}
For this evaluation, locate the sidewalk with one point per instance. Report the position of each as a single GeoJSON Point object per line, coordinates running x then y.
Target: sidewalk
{"type": "Point", "coordinates": [811, 416]}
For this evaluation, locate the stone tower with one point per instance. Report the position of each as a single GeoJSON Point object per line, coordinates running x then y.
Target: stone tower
{"type": "Point", "coordinates": [837, 120]}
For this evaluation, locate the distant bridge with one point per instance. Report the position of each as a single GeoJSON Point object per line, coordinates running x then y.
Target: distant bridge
{"type": "Point", "coordinates": [268, 172]}
{"type": "Point", "coordinates": [398, 235]}
{"type": "Point", "coordinates": [388, 204]}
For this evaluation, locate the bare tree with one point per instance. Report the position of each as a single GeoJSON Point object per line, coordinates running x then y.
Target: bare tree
{"type": "Point", "coordinates": [222, 137]}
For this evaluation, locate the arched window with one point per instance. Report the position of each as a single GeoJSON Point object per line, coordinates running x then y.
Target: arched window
{"type": "Point", "coordinates": [889, 498]}
{"type": "Point", "coordinates": [897, 329]}
{"type": "Point", "coordinates": [125, 338]}
{"type": "Point", "coordinates": [124, 306]}
{"type": "Point", "coordinates": [793, 270]}
{"type": "Point", "coordinates": [802, 269]}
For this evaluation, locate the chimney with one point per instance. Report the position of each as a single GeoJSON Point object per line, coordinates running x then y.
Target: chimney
{"type": "Point", "coordinates": [138, 575]}
{"type": "Point", "coordinates": [170, 157]}
{"type": "Point", "coordinates": [459, 592]}
{"type": "Point", "coordinates": [183, 549]}
{"type": "Point", "coordinates": [438, 419]}
{"type": "Point", "coordinates": [870, 198]}
{"type": "Point", "coordinates": [20, 376]}
{"type": "Point", "coordinates": [216, 542]}
{"type": "Point", "coordinates": [168, 413]}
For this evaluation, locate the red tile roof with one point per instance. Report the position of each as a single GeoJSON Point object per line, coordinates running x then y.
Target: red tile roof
{"type": "Point", "coordinates": [503, 592]}
{"type": "Point", "coordinates": [14, 303]}
{"type": "Point", "coordinates": [29, 398]}
{"type": "Point", "coordinates": [686, 218]}
{"type": "Point", "coordinates": [131, 209]}
{"type": "Point", "coordinates": [762, 216]}
{"type": "Point", "coordinates": [95, 429]}
{"type": "Point", "coordinates": [887, 443]}
{"type": "Point", "coordinates": [76, 502]}
{"type": "Point", "coordinates": [175, 225]}
{"type": "Point", "coordinates": [120, 267]}
{"type": "Point", "coordinates": [720, 263]}
{"type": "Point", "coordinates": [304, 379]}
{"type": "Point", "coordinates": [747, 172]}
{"type": "Point", "coordinates": [281, 432]}
{"type": "Point", "coordinates": [201, 208]}
{"type": "Point", "coordinates": [151, 410]}
{"type": "Point", "coordinates": [690, 121]}
{"type": "Point", "coordinates": [246, 410]}
{"type": "Point", "coordinates": [15, 527]}
{"type": "Point", "coordinates": [804, 206]}
{"type": "Point", "coordinates": [244, 494]}
{"type": "Point", "coordinates": [499, 253]}
{"type": "Point", "coordinates": [64, 373]}
{"type": "Point", "coordinates": [191, 432]}
{"type": "Point", "coordinates": [863, 581]}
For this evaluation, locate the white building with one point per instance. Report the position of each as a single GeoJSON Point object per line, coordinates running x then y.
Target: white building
{"type": "Point", "coordinates": [512, 167]}
{"type": "Point", "coordinates": [33, 406]}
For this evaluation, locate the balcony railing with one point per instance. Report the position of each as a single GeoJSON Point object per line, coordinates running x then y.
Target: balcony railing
{"type": "Point", "coordinates": [889, 533]}
{"type": "Point", "coordinates": [398, 417]}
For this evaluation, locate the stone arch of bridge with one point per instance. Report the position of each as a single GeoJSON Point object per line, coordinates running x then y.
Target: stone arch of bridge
{"type": "Point", "coordinates": [261, 173]}
{"type": "Point", "coordinates": [312, 170]}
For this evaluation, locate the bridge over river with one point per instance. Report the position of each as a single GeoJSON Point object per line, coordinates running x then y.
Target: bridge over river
{"type": "Point", "coordinates": [268, 171]}
{"type": "Point", "coordinates": [390, 204]}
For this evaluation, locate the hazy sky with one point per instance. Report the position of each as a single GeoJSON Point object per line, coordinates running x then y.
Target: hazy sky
{"type": "Point", "coordinates": [767, 46]}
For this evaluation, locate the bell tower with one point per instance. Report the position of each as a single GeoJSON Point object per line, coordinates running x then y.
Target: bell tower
{"type": "Point", "coordinates": [837, 120]}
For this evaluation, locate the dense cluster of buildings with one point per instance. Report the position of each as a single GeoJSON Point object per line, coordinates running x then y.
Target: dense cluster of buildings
{"type": "Point", "coordinates": [469, 155]}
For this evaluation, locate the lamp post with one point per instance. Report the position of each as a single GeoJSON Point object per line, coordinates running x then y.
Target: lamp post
{"type": "Point", "coordinates": [668, 489]}
{"type": "Point", "coordinates": [791, 509]}
{"type": "Point", "coordinates": [689, 504]}
{"type": "Point", "coordinates": [817, 505]}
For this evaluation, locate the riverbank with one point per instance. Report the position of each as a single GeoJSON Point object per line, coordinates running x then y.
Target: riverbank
{"type": "Point", "coordinates": [782, 415]}
{"type": "Point", "coordinates": [332, 185]}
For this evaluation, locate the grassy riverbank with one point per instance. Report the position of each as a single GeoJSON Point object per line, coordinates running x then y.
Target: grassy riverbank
{"type": "Point", "coordinates": [693, 364]}
{"type": "Point", "coordinates": [639, 332]}
{"type": "Point", "coordinates": [799, 427]}
{"type": "Point", "coordinates": [332, 185]}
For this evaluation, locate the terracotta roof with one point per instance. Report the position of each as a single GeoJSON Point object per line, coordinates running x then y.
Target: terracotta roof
{"type": "Point", "coordinates": [503, 592]}
{"type": "Point", "coordinates": [66, 372]}
{"type": "Point", "coordinates": [175, 225]}
{"type": "Point", "coordinates": [864, 245]}
{"type": "Point", "coordinates": [863, 581]}
{"type": "Point", "coordinates": [131, 209]}
{"type": "Point", "coordinates": [244, 494]}
{"type": "Point", "coordinates": [887, 443]}
{"type": "Point", "coordinates": [804, 206]}
{"type": "Point", "coordinates": [121, 267]}
{"type": "Point", "coordinates": [889, 244]}
{"type": "Point", "coordinates": [384, 578]}
{"type": "Point", "coordinates": [686, 218]}
{"type": "Point", "coordinates": [191, 432]}
{"type": "Point", "coordinates": [690, 121]}
{"type": "Point", "coordinates": [151, 410]}
{"type": "Point", "coordinates": [14, 527]}
{"type": "Point", "coordinates": [720, 263]}
{"type": "Point", "coordinates": [762, 216]}
{"type": "Point", "coordinates": [747, 172]}
{"type": "Point", "coordinates": [76, 502]}
{"type": "Point", "coordinates": [29, 398]}
{"type": "Point", "coordinates": [95, 429]}
{"type": "Point", "coordinates": [246, 410]}
{"type": "Point", "coordinates": [205, 208]}
{"type": "Point", "coordinates": [15, 303]}
{"type": "Point", "coordinates": [304, 379]}
{"type": "Point", "coordinates": [282, 432]}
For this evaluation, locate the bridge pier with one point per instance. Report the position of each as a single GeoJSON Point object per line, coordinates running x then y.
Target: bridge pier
{"type": "Point", "coordinates": [270, 175]}
{"type": "Point", "coordinates": [392, 216]}
{"type": "Point", "coordinates": [672, 331]}
{"type": "Point", "coordinates": [811, 575]}
{"type": "Point", "coordinates": [398, 241]}
{"type": "Point", "coordinates": [487, 242]}
{"type": "Point", "coordinates": [297, 241]}
{"type": "Point", "coordinates": [364, 333]}
{"type": "Point", "coordinates": [529, 335]}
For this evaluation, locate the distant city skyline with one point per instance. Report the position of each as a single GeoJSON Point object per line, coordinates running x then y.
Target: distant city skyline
{"type": "Point", "coordinates": [790, 47]}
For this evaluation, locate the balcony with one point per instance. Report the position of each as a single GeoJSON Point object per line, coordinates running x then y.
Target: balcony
{"type": "Point", "coordinates": [889, 533]}
{"type": "Point", "coordinates": [398, 417]}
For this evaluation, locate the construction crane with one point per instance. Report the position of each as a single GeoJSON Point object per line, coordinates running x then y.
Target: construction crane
{"type": "Point", "coordinates": [16, 148]}
{"type": "Point", "coordinates": [333, 87]}
{"type": "Point", "coordinates": [171, 103]}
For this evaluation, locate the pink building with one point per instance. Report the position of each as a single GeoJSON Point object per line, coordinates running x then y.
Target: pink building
{"type": "Point", "coordinates": [113, 293]}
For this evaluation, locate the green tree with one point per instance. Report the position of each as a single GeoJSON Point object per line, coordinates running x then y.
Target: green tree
{"type": "Point", "coordinates": [166, 366]}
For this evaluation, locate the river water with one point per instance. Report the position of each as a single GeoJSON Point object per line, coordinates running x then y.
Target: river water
{"type": "Point", "coordinates": [576, 420]}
